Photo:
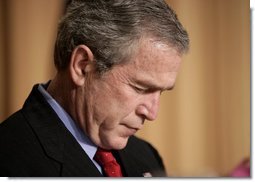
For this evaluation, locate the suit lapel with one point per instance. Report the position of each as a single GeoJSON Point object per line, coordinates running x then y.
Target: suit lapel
{"type": "Point", "coordinates": [129, 166]}
{"type": "Point", "coordinates": [56, 140]}
{"type": "Point", "coordinates": [131, 163]}
{"type": "Point", "coordinates": [135, 159]}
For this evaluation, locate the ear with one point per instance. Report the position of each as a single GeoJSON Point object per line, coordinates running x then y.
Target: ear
{"type": "Point", "coordinates": [81, 63]}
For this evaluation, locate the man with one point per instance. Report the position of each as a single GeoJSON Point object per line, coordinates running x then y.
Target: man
{"type": "Point", "coordinates": [113, 60]}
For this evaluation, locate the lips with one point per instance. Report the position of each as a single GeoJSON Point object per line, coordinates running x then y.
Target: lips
{"type": "Point", "coordinates": [129, 130]}
{"type": "Point", "coordinates": [132, 127]}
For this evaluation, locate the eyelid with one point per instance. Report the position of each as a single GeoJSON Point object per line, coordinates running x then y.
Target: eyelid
{"type": "Point", "coordinates": [140, 90]}
{"type": "Point", "coordinates": [146, 90]}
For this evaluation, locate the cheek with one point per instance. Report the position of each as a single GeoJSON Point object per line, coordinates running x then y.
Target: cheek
{"type": "Point", "coordinates": [116, 109]}
{"type": "Point", "coordinates": [112, 102]}
{"type": "Point", "coordinates": [107, 110]}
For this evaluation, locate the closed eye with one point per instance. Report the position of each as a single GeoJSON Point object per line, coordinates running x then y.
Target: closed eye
{"type": "Point", "coordinates": [140, 90]}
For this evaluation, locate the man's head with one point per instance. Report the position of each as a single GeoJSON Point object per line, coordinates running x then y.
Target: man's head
{"type": "Point", "coordinates": [112, 29]}
{"type": "Point", "coordinates": [120, 55]}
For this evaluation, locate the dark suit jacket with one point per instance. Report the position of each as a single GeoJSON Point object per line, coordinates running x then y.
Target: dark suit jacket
{"type": "Point", "coordinates": [35, 142]}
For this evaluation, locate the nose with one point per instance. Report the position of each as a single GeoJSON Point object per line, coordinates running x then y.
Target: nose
{"type": "Point", "coordinates": [149, 108]}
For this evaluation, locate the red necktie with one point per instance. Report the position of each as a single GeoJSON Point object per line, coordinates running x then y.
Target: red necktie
{"type": "Point", "coordinates": [108, 163]}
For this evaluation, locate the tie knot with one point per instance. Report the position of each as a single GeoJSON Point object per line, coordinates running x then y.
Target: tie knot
{"type": "Point", "coordinates": [104, 156]}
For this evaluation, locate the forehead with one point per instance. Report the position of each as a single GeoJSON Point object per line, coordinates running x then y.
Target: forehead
{"type": "Point", "coordinates": [154, 64]}
{"type": "Point", "coordinates": [155, 56]}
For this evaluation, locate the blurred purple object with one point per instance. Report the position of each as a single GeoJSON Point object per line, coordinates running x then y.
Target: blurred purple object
{"type": "Point", "coordinates": [242, 170]}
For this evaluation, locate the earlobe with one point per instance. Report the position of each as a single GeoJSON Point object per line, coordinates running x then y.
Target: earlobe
{"type": "Point", "coordinates": [81, 63]}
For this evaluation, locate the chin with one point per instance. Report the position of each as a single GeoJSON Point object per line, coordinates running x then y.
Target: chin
{"type": "Point", "coordinates": [117, 144]}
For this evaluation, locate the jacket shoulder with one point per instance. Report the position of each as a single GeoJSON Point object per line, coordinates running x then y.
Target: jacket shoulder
{"type": "Point", "coordinates": [12, 125]}
{"type": "Point", "coordinates": [21, 153]}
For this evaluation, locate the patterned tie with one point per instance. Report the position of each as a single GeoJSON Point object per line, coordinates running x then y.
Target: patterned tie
{"type": "Point", "coordinates": [108, 163]}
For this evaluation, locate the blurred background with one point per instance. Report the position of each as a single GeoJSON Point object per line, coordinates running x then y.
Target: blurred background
{"type": "Point", "coordinates": [203, 128]}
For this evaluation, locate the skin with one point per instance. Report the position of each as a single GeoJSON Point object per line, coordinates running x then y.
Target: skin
{"type": "Point", "coordinates": [112, 107]}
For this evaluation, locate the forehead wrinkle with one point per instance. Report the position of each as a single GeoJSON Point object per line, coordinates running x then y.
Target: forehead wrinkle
{"type": "Point", "coordinates": [151, 50]}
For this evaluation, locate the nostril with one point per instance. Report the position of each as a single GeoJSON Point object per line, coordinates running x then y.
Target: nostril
{"type": "Point", "coordinates": [151, 117]}
{"type": "Point", "coordinates": [142, 111]}
{"type": "Point", "coordinates": [153, 112]}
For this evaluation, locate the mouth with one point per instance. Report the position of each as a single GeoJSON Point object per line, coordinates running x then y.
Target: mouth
{"type": "Point", "coordinates": [130, 130]}
{"type": "Point", "coordinates": [132, 127]}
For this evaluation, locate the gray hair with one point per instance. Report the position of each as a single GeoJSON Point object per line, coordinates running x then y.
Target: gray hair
{"type": "Point", "coordinates": [113, 28]}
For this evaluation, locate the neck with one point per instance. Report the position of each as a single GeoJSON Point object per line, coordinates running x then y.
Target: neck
{"type": "Point", "coordinates": [69, 96]}
{"type": "Point", "coordinates": [61, 89]}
